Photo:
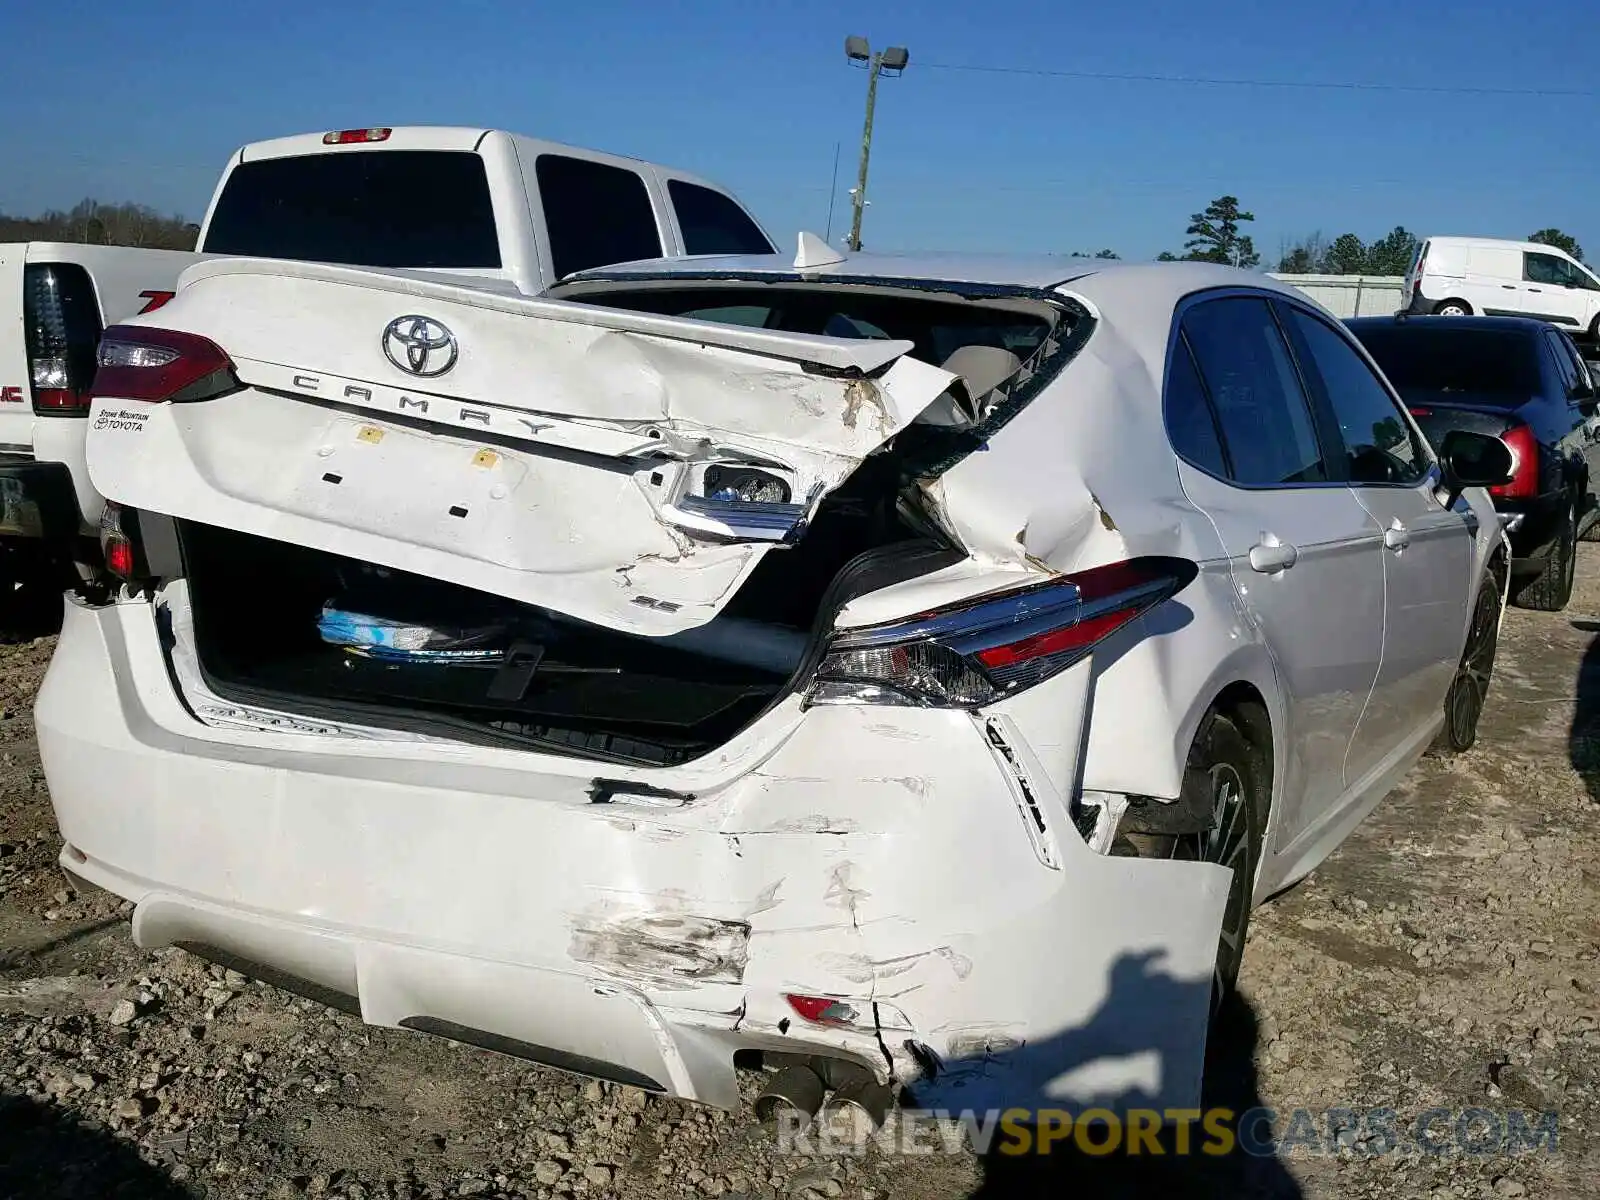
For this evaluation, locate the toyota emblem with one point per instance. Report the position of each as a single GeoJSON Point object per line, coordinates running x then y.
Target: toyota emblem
{"type": "Point", "coordinates": [419, 346]}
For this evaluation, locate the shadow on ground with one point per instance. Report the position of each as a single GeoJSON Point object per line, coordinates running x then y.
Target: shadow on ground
{"type": "Point", "coordinates": [1583, 741]}
{"type": "Point", "coordinates": [46, 1155]}
{"type": "Point", "coordinates": [1239, 1164]}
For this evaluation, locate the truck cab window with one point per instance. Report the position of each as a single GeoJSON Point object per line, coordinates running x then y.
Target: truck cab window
{"type": "Point", "coordinates": [596, 214]}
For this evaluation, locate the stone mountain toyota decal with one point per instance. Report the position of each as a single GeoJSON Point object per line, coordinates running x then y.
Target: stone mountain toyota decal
{"type": "Point", "coordinates": [419, 346]}
{"type": "Point", "coordinates": [125, 419]}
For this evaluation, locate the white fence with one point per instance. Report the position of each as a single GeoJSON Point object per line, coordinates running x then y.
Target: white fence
{"type": "Point", "coordinates": [1350, 295]}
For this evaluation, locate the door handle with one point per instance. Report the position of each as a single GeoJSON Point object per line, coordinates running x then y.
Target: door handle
{"type": "Point", "coordinates": [1270, 557]}
{"type": "Point", "coordinates": [1396, 537]}
{"type": "Point", "coordinates": [1510, 287]}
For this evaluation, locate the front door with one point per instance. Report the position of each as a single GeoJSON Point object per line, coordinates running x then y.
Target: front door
{"type": "Point", "coordinates": [1307, 558]}
{"type": "Point", "coordinates": [1548, 291]}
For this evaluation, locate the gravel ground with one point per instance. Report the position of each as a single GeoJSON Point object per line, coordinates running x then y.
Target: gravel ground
{"type": "Point", "coordinates": [1445, 957]}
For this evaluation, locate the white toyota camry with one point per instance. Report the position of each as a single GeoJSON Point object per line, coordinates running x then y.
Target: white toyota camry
{"type": "Point", "coordinates": [922, 663]}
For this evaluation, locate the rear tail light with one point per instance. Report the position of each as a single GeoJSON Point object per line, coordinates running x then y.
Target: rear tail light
{"type": "Point", "coordinates": [139, 362]}
{"type": "Point", "coordinates": [347, 137]}
{"type": "Point", "coordinates": [1524, 449]}
{"type": "Point", "coordinates": [983, 650]}
{"type": "Point", "coordinates": [1422, 412]}
{"type": "Point", "coordinates": [61, 324]}
{"type": "Point", "coordinates": [116, 547]}
{"type": "Point", "coordinates": [822, 1010]}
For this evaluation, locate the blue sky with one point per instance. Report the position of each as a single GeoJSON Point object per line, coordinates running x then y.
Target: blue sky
{"type": "Point", "coordinates": [144, 102]}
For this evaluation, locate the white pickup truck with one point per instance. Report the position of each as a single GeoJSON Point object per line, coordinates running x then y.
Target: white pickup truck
{"type": "Point", "coordinates": [477, 202]}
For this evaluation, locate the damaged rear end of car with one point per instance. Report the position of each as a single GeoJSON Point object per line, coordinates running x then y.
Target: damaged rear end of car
{"type": "Point", "coordinates": [617, 684]}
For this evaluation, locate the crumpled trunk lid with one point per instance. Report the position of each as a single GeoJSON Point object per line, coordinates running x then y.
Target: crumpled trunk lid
{"type": "Point", "coordinates": [624, 468]}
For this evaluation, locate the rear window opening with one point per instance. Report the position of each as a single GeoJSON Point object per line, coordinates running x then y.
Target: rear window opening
{"type": "Point", "coordinates": [376, 208]}
{"type": "Point", "coordinates": [1481, 365]}
{"type": "Point", "coordinates": [937, 325]}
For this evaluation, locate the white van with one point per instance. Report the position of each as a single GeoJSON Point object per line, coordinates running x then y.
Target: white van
{"type": "Point", "coordinates": [1459, 276]}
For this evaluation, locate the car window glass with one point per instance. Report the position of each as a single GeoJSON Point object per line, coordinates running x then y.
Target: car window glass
{"type": "Point", "coordinates": [1266, 424]}
{"type": "Point", "coordinates": [840, 325]}
{"type": "Point", "coordinates": [754, 315]}
{"type": "Point", "coordinates": [1190, 426]}
{"type": "Point", "coordinates": [1379, 443]}
{"type": "Point", "coordinates": [1566, 365]}
{"type": "Point", "coordinates": [596, 214]}
{"type": "Point", "coordinates": [712, 223]}
{"type": "Point", "coordinates": [379, 208]}
{"type": "Point", "coordinates": [1543, 268]}
{"type": "Point", "coordinates": [1440, 360]}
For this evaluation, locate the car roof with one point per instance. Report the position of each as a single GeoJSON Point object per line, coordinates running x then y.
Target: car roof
{"type": "Point", "coordinates": [1502, 243]}
{"type": "Point", "coordinates": [1086, 276]}
{"type": "Point", "coordinates": [1484, 324]}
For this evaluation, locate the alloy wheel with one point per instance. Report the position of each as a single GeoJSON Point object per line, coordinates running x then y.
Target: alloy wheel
{"type": "Point", "coordinates": [1470, 688]}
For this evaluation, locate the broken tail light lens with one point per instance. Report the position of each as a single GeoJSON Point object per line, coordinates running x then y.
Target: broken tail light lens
{"type": "Point", "coordinates": [116, 547]}
{"type": "Point", "coordinates": [980, 651]}
{"type": "Point", "coordinates": [138, 362]}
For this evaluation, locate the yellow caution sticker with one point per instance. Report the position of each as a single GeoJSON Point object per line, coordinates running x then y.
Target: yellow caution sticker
{"type": "Point", "coordinates": [369, 433]}
{"type": "Point", "coordinates": [485, 458]}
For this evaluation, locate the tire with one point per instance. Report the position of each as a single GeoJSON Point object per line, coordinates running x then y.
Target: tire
{"type": "Point", "coordinates": [1550, 590]}
{"type": "Point", "coordinates": [1463, 702]}
{"type": "Point", "coordinates": [1589, 519]}
{"type": "Point", "coordinates": [1452, 308]}
{"type": "Point", "coordinates": [1233, 781]}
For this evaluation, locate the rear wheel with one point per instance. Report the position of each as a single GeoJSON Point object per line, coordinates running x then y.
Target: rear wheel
{"type": "Point", "coordinates": [1463, 703]}
{"type": "Point", "coordinates": [1452, 308]}
{"type": "Point", "coordinates": [1228, 778]}
{"type": "Point", "coordinates": [1550, 590]}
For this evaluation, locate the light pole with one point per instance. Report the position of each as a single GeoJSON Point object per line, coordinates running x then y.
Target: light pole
{"type": "Point", "coordinates": [893, 60]}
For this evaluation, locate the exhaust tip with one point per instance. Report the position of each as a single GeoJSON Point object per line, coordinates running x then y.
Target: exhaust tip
{"type": "Point", "coordinates": [857, 1108]}
{"type": "Point", "coordinates": [794, 1093]}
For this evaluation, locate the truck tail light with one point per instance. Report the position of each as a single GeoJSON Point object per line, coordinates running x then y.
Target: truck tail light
{"type": "Point", "coordinates": [1524, 447]}
{"type": "Point", "coordinates": [61, 324]}
{"type": "Point", "coordinates": [139, 362]}
{"type": "Point", "coordinates": [347, 137]}
{"type": "Point", "coordinates": [977, 652]}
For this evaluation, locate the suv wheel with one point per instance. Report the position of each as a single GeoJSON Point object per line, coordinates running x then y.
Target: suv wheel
{"type": "Point", "coordinates": [1452, 308]}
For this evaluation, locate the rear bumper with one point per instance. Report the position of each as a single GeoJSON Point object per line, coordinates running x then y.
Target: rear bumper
{"type": "Point", "coordinates": [37, 500]}
{"type": "Point", "coordinates": [887, 857]}
{"type": "Point", "coordinates": [1533, 528]}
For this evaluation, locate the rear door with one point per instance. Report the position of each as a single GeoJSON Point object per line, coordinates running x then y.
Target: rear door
{"type": "Point", "coordinates": [625, 468]}
{"type": "Point", "coordinates": [1427, 547]}
{"type": "Point", "coordinates": [1307, 557]}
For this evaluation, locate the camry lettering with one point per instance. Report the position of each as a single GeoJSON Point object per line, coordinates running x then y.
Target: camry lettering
{"type": "Point", "coordinates": [408, 402]}
{"type": "Point", "coordinates": [309, 383]}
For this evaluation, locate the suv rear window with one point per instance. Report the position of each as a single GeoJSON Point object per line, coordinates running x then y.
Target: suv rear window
{"type": "Point", "coordinates": [377, 208]}
{"type": "Point", "coordinates": [1486, 366]}
{"type": "Point", "coordinates": [712, 223]}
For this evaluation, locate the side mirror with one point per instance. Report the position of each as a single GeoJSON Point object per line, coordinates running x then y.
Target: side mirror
{"type": "Point", "coordinates": [1473, 460]}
